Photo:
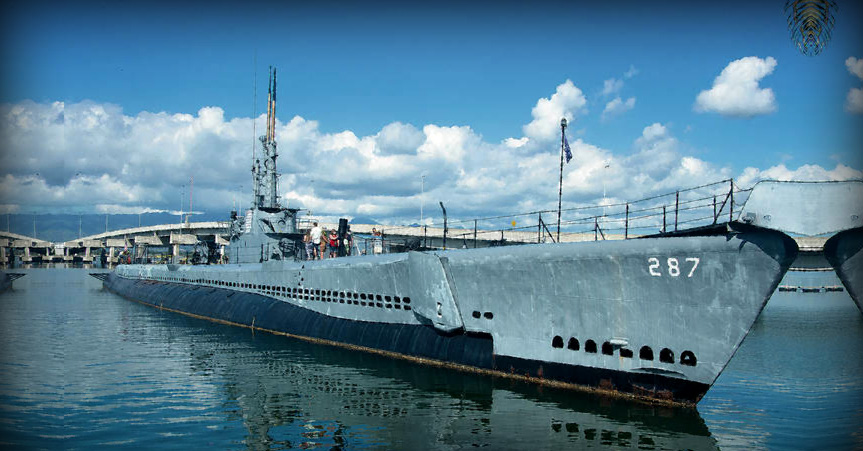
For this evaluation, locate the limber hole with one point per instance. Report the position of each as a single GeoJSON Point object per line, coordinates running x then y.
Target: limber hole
{"type": "Point", "coordinates": [645, 353]}
{"type": "Point", "coordinates": [688, 358]}
{"type": "Point", "coordinates": [607, 349]}
{"type": "Point", "coordinates": [557, 342]}
{"type": "Point", "coordinates": [666, 356]}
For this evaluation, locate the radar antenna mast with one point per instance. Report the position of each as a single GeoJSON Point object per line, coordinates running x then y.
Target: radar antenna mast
{"type": "Point", "coordinates": [266, 177]}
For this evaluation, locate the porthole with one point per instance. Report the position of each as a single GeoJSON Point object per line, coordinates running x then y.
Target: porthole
{"type": "Point", "coordinates": [645, 353]}
{"type": "Point", "coordinates": [626, 353]}
{"type": "Point", "coordinates": [557, 342]}
{"type": "Point", "coordinates": [406, 300]}
{"type": "Point", "coordinates": [666, 356]}
{"type": "Point", "coordinates": [590, 346]}
{"type": "Point", "coordinates": [607, 348]}
{"type": "Point", "coordinates": [488, 315]}
{"type": "Point", "coordinates": [688, 358]}
{"type": "Point", "coordinates": [573, 344]}
{"type": "Point", "coordinates": [363, 296]}
{"type": "Point", "coordinates": [476, 314]}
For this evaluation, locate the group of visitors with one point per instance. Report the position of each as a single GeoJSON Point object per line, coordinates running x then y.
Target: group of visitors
{"type": "Point", "coordinates": [321, 243]}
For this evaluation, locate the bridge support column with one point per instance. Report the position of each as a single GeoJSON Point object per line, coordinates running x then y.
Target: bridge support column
{"type": "Point", "coordinates": [111, 258]}
{"type": "Point", "coordinates": [27, 258]}
{"type": "Point", "coordinates": [87, 257]}
{"type": "Point", "coordinates": [3, 258]}
{"type": "Point", "coordinates": [175, 252]}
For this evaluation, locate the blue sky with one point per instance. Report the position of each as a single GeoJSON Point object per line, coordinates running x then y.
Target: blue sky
{"type": "Point", "coordinates": [360, 66]}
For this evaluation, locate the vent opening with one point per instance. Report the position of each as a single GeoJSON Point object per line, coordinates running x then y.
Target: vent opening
{"type": "Point", "coordinates": [666, 356]}
{"type": "Point", "coordinates": [645, 353]}
{"type": "Point", "coordinates": [557, 342]}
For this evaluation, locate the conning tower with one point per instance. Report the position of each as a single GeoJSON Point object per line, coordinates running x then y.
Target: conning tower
{"type": "Point", "coordinates": [268, 230]}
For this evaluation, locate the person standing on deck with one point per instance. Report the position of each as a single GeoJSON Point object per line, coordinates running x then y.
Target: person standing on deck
{"type": "Point", "coordinates": [310, 247]}
{"type": "Point", "coordinates": [322, 247]}
{"type": "Point", "coordinates": [333, 244]}
{"type": "Point", "coordinates": [348, 241]}
{"type": "Point", "coordinates": [316, 233]}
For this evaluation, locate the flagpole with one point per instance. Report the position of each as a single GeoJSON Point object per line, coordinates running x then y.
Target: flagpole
{"type": "Point", "coordinates": [560, 185]}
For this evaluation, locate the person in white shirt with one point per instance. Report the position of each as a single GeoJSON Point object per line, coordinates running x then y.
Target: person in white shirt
{"type": "Point", "coordinates": [316, 238]}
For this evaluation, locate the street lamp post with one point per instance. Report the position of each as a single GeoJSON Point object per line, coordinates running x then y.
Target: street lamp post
{"type": "Point", "coordinates": [182, 194]}
{"type": "Point", "coordinates": [604, 172]}
{"type": "Point", "coordinates": [422, 197]}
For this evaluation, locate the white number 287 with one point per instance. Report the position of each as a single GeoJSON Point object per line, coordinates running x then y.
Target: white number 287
{"type": "Point", "coordinates": [672, 266]}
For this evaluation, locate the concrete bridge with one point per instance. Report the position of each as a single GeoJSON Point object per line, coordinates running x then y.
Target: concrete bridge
{"type": "Point", "coordinates": [163, 235]}
{"type": "Point", "coordinates": [85, 249]}
{"type": "Point", "coordinates": [29, 247]}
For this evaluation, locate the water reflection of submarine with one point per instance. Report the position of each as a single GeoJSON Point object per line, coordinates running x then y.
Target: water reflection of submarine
{"type": "Point", "coordinates": [331, 389]}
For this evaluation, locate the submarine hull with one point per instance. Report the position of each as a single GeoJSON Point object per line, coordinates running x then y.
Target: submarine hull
{"type": "Point", "coordinates": [655, 319]}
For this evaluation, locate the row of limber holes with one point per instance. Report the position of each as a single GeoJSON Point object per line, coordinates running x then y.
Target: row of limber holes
{"type": "Point", "coordinates": [346, 297]}
{"type": "Point", "coordinates": [342, 297]}
{"type": "Point", "coordinates": [645, 353]}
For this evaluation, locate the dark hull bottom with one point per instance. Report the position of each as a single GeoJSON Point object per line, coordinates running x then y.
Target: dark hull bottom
{"type": "Point", "coordinates": [844, 251]}
{"type": "Point", "coordinates": [414, 342]}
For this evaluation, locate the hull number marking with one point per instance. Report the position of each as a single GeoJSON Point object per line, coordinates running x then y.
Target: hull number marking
{"type": "Point", "coordinates": [672, 265]}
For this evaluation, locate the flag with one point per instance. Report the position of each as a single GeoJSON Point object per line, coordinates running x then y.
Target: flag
{"type": "Point", "coordinates": [566, 149]}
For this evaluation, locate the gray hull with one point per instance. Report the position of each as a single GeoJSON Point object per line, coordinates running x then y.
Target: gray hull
{"type": "Point", "coordinates": [653, 318]}
{"type": "Point", "coordinates": [843, 251]}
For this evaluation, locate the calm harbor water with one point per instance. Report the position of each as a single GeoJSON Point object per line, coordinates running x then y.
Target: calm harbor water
{"type": "Point", "coordinates": [82, 368]}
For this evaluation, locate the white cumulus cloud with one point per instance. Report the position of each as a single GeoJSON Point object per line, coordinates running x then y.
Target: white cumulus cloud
{"type": "Point", "coordinates": [515, 143]}
{"type": "Point", "coordinates": [617, 106]}
{"type": "Point", "coordinates": [611, 86]}
{"type": "Point", "coordinates": [854, 99]}
{"type": "Point", "coordinates": [566, 102]}
{"type": "Point", "coordinates": [855, 66]}
{"type": "Point", "coordinates": [103, 160]}
{"type": "Point", "coordinates": [736, 91]}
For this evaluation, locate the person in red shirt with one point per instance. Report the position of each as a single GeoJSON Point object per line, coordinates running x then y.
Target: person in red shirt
{"type": "Point", "coordinates": [333, 244]}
